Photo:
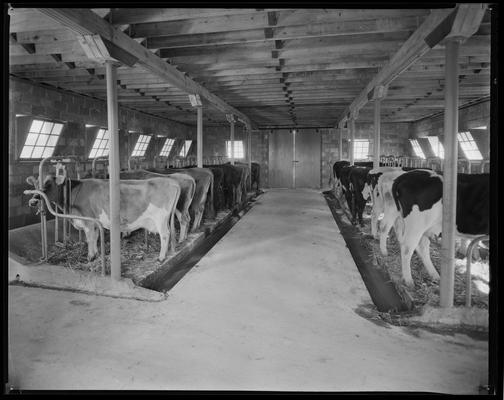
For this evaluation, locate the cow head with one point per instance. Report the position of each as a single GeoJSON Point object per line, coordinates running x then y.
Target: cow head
{"type": "Point", "coordinates": [50, 186]}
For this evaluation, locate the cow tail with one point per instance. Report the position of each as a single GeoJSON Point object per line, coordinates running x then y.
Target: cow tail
{"type": "Point", "coordinates": [331, 173]}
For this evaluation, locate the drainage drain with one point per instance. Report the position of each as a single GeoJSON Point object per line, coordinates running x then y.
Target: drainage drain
{"type": "Point", "coordinates": [379, 285]}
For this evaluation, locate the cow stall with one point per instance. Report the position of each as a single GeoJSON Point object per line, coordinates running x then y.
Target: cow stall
{"type": "Point", "coordinates": [263, 169]}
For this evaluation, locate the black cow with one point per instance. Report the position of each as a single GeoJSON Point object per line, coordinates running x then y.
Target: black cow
{"type": "Point", "coordinates": [334, 177]}
{"type": "Point", "coordinates": [357, 179]}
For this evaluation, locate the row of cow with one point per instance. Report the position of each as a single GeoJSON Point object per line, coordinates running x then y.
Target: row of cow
{"type": "Point", "coordinates": [152, 199]}
{"type": "Point", "coordinates": [410, 200]}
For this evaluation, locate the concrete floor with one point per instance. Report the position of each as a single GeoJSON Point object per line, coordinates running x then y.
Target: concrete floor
{"type": "Point", "coordinates": [270, 307]}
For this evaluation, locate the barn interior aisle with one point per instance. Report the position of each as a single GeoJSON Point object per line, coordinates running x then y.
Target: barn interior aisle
{"type": "Point", "coordinates": [270, 307]}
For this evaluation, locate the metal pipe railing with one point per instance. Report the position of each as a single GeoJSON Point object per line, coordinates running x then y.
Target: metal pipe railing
{"type": "Point", "coordinates": [483, 163]}
{"type": "Point", "coordinates": [43, 218]}
{"type": "Point", "coordinates": [93, 164]}
{"type": "Point", "coordinates": [470, 249]}
{"type": "Point", "coordinates": [69, 216]}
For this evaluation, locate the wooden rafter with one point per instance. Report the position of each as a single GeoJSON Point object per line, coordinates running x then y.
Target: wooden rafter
{"type": "Point", "coordinates": [85, 22]}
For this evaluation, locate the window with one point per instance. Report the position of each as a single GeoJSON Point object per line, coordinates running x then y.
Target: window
{"type": "Point", "coordinates": [141, 145]}
{"type": "Point", "coordinates": [238, 148]}
{"type": "Point", "coordinates": [41, 140]}
{"type": "Point", "coordinates": [469, 146]}
{"type": "Point", "coordinates": [437, 146]}
{"type": "Point", "coordinates": [417, 149]}
{"type": "Point", "coordinates": [168, 144]}
{"type": "Point", "coordinates": [101, 144]}
{"type": "Point", "coordinates": [185, 148]}
{"type": "Point", "coordinates": [361, 149]}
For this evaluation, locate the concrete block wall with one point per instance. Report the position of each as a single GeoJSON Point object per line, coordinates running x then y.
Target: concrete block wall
{"type": "Point", "coordinates": [75, 111]}
{"type": "Point", "coordinates": [469, 118]}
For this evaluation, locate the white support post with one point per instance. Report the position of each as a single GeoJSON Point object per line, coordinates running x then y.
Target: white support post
{"type": "Point", "coordinates": [114, 183]}
{"type": "Point", "coordinates": [231, 120]}
{"type": "Point", "coordinates": [341, 142]}
{"type": "Point", "coordinates": [199, 138]}
{"type": "Point", "coordinates": [449, 174]}
{"type": "Point", "coordinates": [352, 139]}
{"type": "Point", "coordinates": [379, 93]}
{"type": "Point", "coordinates": [249, 154]}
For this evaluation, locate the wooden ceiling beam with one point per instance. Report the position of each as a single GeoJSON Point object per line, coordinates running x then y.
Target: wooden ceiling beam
{"type": "Point", "coordinates": [305, 31]}
{"type": "Point", "coordinates": [85, 22]}
{"type": "Point", "coordinates": [428, 35]}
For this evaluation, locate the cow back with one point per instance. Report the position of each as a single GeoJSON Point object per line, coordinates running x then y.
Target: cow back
{"type": "Point", "coordinates": [418, 187]}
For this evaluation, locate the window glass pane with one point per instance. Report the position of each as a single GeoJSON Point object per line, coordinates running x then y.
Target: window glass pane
{"type": "Point", "coordinates": [437, 146]}
{"type": "Point", "coordinates": [31, 139]}
{"type": "Point", "coordinates": [469, 146]}
{"type": "Point", "coordinates": [57, 129]}
{"type": "Point", "coordinates": [361, 148]}
{"type": "Point", "coordinates": [42, 140]}
{"type": "Point", "coordinates": [46, 127]}
{"type": "Point", "coordinates": [48, 151]}
{"type": "Point", "coordinates": [36, 125]}
{"type": "Point", "coordinates": [417, 149]}
{"type": "Point", "coordinates": [52, 140]}
{"type": "Point", "coordinates": [37, 152]}
{"type": "Point", "coordinates": [26, 152]}
{"type": "Point", "coordinates": [100, 145]}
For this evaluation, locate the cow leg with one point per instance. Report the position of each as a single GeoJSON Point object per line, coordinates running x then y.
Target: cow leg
{"type": "Point", "coordinates": [182, 223]}
{"type": "Point", "coordinates": [173, 242]}
{"type": "Point", "coordinates": [164, 235]}
{"type": "Point", "coordinates": [91, 239]}
{"type": "Point", "coordinates": [374, 222]}
{"type": "Point", "coordinates": [408, 242]}
{"type": "Point", "coordinates": [423, 250]}
{"type": "Point", "coordinates": [197, 218]}
{"type": "Point", "coordinates": [385, 225]}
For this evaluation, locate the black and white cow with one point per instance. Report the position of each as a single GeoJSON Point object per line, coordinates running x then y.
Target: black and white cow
{"type": "Point", "coordinates": [418, 197]}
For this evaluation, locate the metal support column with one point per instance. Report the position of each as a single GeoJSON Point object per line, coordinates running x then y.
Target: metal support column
{"type": "Point", "coordinates": [231, 138]}
{"type": "Point", "coordinates": [352, 139]}
{"type": "Point", "coordinates": [341, 143]}
{"type": "Point", "coordinates": [249, 154]}
{"type": "Point", "coordinates": [114, 183]}
{"type": "Point", "coordinates": [199, 137]}
{"type": "Point", "coordinates": [449, 174]}
{"type": "Point", "coordinates": [377, 109]}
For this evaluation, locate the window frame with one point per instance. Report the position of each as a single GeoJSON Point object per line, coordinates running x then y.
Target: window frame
{"type": "Point", "coordinates": [37, 137]}
{"type": "Point", "coordinates": [105, 149]}
{"type": "Point", "coordinates": [469, 140]}
{"type": "Point", "coordinates": [358, 141]}
{"type": "Point", "coordinates": [228, 149]}
{"type": "Point", "coordinates": [187, 149]}
{"type": "Point", "coordinates": [440, 152]}
{"type": "Point", "coordinates": [422, 156]}
{"type": "Point", "coordinates": [139, 143]}
{"type": "Point", "coordinates": [165, 145]}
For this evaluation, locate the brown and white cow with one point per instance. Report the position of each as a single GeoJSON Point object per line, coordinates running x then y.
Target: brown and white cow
{"type": "Point", "coordinates": [148, 204]}
{"type": "Point", "coordinates": [187, 190]}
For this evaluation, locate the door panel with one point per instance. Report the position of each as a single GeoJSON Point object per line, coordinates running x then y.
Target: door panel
{"type": "Point", "coordinates": [308, 157]}
{"type": "Point", "coordinates": [280, 159]}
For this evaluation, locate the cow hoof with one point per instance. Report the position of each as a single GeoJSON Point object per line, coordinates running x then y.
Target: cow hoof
{"type": "Point", "coordinates": [91, 258]}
